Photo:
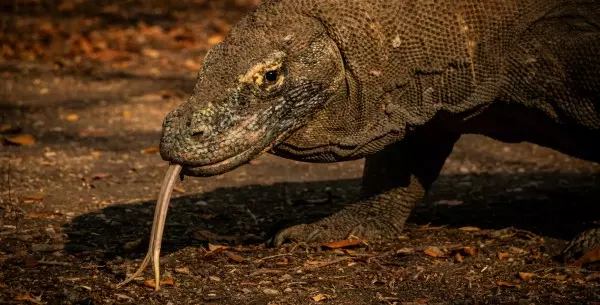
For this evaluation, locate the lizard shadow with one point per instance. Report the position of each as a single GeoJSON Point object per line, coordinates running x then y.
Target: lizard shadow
{"type": "Point", "coordinates": [551, 205]}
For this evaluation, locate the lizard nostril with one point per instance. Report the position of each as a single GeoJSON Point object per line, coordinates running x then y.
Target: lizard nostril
{"type": "Point", "coordinates": [198, 131]}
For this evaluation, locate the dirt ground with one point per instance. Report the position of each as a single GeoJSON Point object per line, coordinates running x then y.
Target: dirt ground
{"type": "Point", "coordinates": [84, 88]}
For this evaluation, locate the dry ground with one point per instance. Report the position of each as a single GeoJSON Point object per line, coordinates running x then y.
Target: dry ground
{"type": "Point", "coordinates": [88, 84]}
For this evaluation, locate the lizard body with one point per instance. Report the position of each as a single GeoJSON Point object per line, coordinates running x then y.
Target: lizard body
{"type": "Point", "coordinates": [396, 82]}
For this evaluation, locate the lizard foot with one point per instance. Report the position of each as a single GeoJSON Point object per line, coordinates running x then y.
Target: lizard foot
{"type": "Point", "coordinates": [581, 244]}
{"type": "Point", "coordinates": [339, 226]}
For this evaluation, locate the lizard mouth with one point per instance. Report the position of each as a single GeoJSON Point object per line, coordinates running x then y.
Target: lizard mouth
{"type": "Point", "coordinates": [223, 166]}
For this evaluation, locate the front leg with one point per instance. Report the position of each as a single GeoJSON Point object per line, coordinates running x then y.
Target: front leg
{"type": "Point", "coordinates": [394, 179]}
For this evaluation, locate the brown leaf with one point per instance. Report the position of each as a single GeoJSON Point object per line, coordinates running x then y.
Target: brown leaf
{"type": "Point", "coordinates": [458, 258]}
{"type": "Point", "coordinates": [469, 251]}
{"type": "Point", "coordinates": [167, 282]}
{"type": "Point", "coordinates": [8, 128]}
{"type": "Point", "coordinates": [234, 257]}
{"type": "Point", "coordinates": [504, 284]}
{"type": "Point", "coordinates": [405, 251]}
{"type": "Point", "coordinates": [422, 300]}
{"type": "Point", "coordinates": [588, 257]}
{"type": "Point", "coordinates": [42, 214]}
{"type": "Point", "coordinates": [433, 252]}
{"type": "Point", "coordinates": [556, 277]}
{"type": "Point", "coordinates": [92, 132]}
{"type": "Point", "coordinates": [592, 277]}
{"type": "Point", "coordinates": [33, 197]}
{"type": "Point", "coordinates": [151, 150]}
{"type": "Point", "coordinates": [24, 139]}
{"type": "Point", "coordinates": [526, 276]}
{"type": "Point", "coordinates": [27, 297]}
{"type": "Point", "coordinates": [99, 176]}
{"type": "Point", "coordinates": [503, 255]}
{"type": "Point", "coordinates": [345, 243]}
{"type": "Point", "coordinates": [214, 39]}
{"type": "Point", "coordinates": [320, 297]}
{"type": "Point", "coordinates": [151, 53]}
{"type": "Point", "coordinates": [183, 270]}
{"type": "Point", "coordinates": [469, 229]}
{"type": "Point", "coordinates": [72, 117]}
{"type": "Point", "coordinates": [213, 247]}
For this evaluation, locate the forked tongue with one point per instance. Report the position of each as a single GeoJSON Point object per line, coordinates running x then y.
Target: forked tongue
{"type": "Point", "coordinates": [158, 226]}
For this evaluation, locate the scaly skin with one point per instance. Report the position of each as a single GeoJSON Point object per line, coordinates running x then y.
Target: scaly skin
{"type": "Point", "coordinates": [397, 82]}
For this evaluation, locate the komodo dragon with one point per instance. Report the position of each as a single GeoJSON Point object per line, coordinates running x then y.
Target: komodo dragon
{"type": "Point", "coordinates": [396, 82]}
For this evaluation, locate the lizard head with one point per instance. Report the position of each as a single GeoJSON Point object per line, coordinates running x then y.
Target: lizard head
{"type": "Point", "coordinates": [272, 73]}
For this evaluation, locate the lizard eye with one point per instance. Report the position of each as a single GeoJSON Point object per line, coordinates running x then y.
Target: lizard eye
{"type": "Point", "coordinates": [271, 76]}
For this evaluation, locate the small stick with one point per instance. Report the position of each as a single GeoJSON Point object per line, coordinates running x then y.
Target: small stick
{"type": "Point", "coordinates": [158, 226]}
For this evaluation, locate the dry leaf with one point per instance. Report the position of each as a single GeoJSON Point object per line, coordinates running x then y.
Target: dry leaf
{"type": "Point", "coordinates": [213, 247]}
{"type": "Point", "coordinates": [320, 297]}
{"type": "Point", "coordinates": [33, 197]}
{"type": "Point", "coordinates": [588, 257]}
{"type": "Point", "coordinates": [433, 252]}
{"type": "Point", "coordinates": [503, 255]}
{"type": "Point", "coordinates": [405, 251]}
{"type": "Point", "coordinates": [167, 282]}
{"type": "Point", "coordinates": [27, 297]}
{"type": "Point", "coordinates": [99, 176]}
{"type": "Point", "coordinates": [72, 117]}
{"type": "Point", "coordinates": [152, 53]}
{"type": "Point", "coordinates": [422, 300]}
{"type": "Point", "coordinates": [25, 139]}
{"type": "Point", "coordinates": [234, 257]}
{"type": "Point", "coordinates": [557, 277]}
{"type": "Point", "coordinates": [8, 128]}
{"type": "Point", "coordinates": [214, 39]}
{"type": "Point", "coordinates": [593, 276]}
{"type": "Point", "coordinates": [469, 251]}
{"type": "Point", "coordinates": [184, 270]}
{"type": "Point", "coordinates": [526, 276]}
{"type": "Point", "coordinates": [458, 258]}
{"type": "Point", "coordinates": [151, 150]}
{"type": "Point", "coordinates": [469, 229]}
{"type": "Point", "coordinates": [344, 243]}
{"type": "Point", "coordinates": [504, 284]}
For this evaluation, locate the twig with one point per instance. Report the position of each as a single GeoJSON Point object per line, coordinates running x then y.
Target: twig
{"type": "Point", "coordinates": [43, 262]}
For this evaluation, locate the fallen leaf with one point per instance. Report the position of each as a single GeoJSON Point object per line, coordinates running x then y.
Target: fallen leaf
{"type": "Point", "coordinates": [458, 258]}
{"type": "Point", "coordinates": [504, 284]}
{"type": "Point", "coordinates": [8, 128]}
{"type": "Point", "coordinates": [526, 276]}
{"type": "Point", "coordinates": [126, 114]}
{"type": "Point", "coordinates": [320, 297]}
{"type": "Point", "coordinates": [469, 229]}
{"type": "Point", "coordinates": [344, 243]}
{"type": "Point", "coordinates": [191, 64]}
{"type": "Point", "coordinates": [422, 300]}
{"type": "Point", "coordinates": [469, 251]}
{"type": "Point", "coordinates": [167, 282]}
{"type": "Point", "coordinates": [179, 189]}
{"type": "Point", "coordinates": [92, 132]}
{"type": "Point", "coordinates": [503, 255]}
{"type": "Point", "coordinates": [33, 197]}
{"type": "Point", "coordinates": [27, 297]}
{"type": "Point", "coordinates": [592, 277]}
{"type": "Point", "coordinates": [214, 39]}
{"type": "Point", "coordinates": [42, 214]}
{"type": "Point", "coordinates": [556, 277]}
{"type": "Point", "coordinates": [433, 252]}
{"type": "Point", "coordinates": [213, 247]}
{"type": "Point", "coordinates": [183, 270]}
{"type": "Point", "coordinates": [72, 117]}
{"type": "Point", "coordinates": [152, 53]}
{"type": "Point", "coordinates": [234, 257]}
{"type": "Point", "coordinates": [151, 150]}
{"type": "Point", "coordinates": [588, 257]}
{"type": "Point", "coordinates": [25, 139]}
{"type": "Point", "coordinates": [405, 251]}
{"type": "Point", "coordinates": [99, 176]}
